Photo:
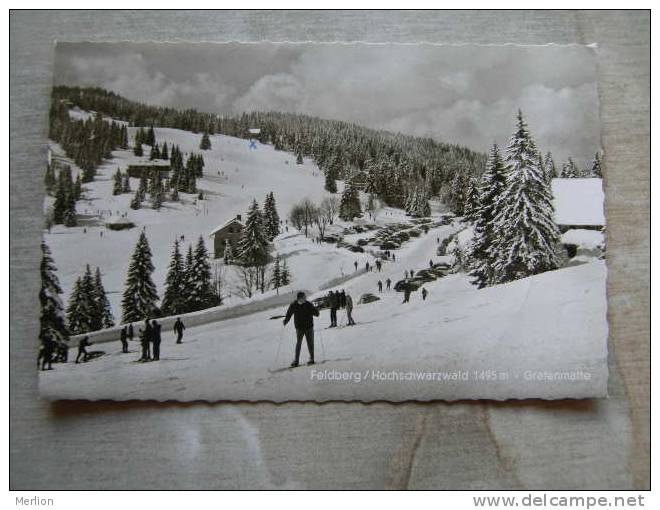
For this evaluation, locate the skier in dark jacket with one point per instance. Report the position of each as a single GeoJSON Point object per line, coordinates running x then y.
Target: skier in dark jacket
{"type": "Point", "coordinates": [388, 282]}
{"type": "Point", "coordinates": [155, 339]}
{"type": "Point", "coordinates": [424, 294]}
{"type": "Point", "coordinates": [303, 319]}
{"type": "Point", "coordinates": [380, 286]}
{"type": "Point", "coordinates": [46, 354]}
{"type": "Point", "coordinates": [82, 349]}
{"type": "Point", "coordinates": [130, 332]}
{"type": "Point", "coordinates": [178, 329]}
{"type": "Point", "coordinates": [145, 339]}
{"type": "Point", "coordinates": [122, 338]}
{"type": "Point", "coordinates": [342, 299]}
{"type": "Point", "coordinates": [406, 293]}
{"type": "Point", "coordinates": [334, 304]}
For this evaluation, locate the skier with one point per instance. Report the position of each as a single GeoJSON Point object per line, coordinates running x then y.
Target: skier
{"type": "Point", "coordinates": [349, 309]}
{"type": "Point", "coordinates": [379, 265]}
{"type": "Point", "coordinates": [333, 302]}
{"type": "Point", "coordinates": [412, 273]}
{"type": "Point", "coordinates": [145, 338]}
{"type": "Point", "coordinates": [82, 351]}
{"type": "Point", "coordinates": [424, 294]}
{"type": "Point", "coordinates": [431, 263]}
{"type": "Point", "coordinates": [130, 332]}
{"type": "Point", "coordinates": [406, 294]}
{"type": "Point", "coordinates": [122, 339]}
{"type": "Point", "coordinates": [46, 354]}
{"type": "Point", "coordinates": [406, 274]}
{"type": "Point", "coordinates": [380, 286]}
{"type": "Point", "coordinates": [366, 266]}
{"type": "Point", "coordinates": [355, 264]}
{"type": "Point", "coordinates": [393, 257]}
{"type": "Point", "coordinates": [437, 239]}
{"type": "Point", "coordinates": [155, 338]}
{"type": "Point", "coordinates": [388, 282]}
{"type": "Point", "coordinates": [342, 299]}
{"type": "Point", "coordinates": [178, 329]}
{"type": "Point", "coordinates": [303, 319]}
{"type": "Point", "coordinates": [62, 352]}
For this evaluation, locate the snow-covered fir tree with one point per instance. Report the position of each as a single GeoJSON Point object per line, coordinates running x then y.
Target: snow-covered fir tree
{"type": "Point", "coordinates": [252, 246]}
{"type": "Point", "coordinates": [82, 312]}
{"type": "Point", "coordinates": [550, 167]}
{"type": "Point", "coordinates": [201, 292]}
{"type": "Point", "coordinates": [164, 152]}
{"type": "Point", "coordinates": [77, 188]}
{"type": "Point", "coordinates": [528, 236]}
{"type": "Point", "coordinates": [330, 183]}
{"type": "Point", "coordinates": [285, 274]}
{"type": "Point", "coordinates": [103, 317]}
{"type": "Point", "coordinates": [136, 202]}
{"type": "Point", "coordinates": [140, 296]}
{"type": "Point", "coordinates": [205, 144]}
{"type": "Point", "coordinates": [52, 325]}
{"type": "Point", "coordinates": [118, 184]}
{"type": "Point", "coordinates": [570, 170]}
{"type": "Point", "coordinates": [350, 207]}
{"type": "Point", "coordinates": [276, 274]}
{"type": "Point", "coordinates": [271, 217]}
{"type": "Point", "coordinates": [471, 209]}
{"type": "Point", "coordinates": [189, 279]}
{"type": "Point", "coordinates": [480, 258]}
{"type": "Point", "coordinates": [126, 184]}
{"type": "Point", "coordinates": [174, 299]}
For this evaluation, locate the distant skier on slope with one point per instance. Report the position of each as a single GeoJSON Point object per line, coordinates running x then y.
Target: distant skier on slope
{"type": "Point", "coordinates": [145, 339]}
{"type": "Point", "coordinates": [388, 282]}
{"type": "Point", "coordinates": [406, 293]}
{"type": "Point", "coordinates": [178, 329]}
{"type": "Point", "coordinates": [349, 309]}
{"type": "Point", "coordinates": [82, 349]}
{"type": "Point", "coordinates": [122, 339]}
{"type": "Point", "coordinates": [303, 319]}
{"type": "Point", "coordinates": [156, 339]}
{"type": "Point", "coordinates": [424, 293]}
{"type": "Point", "coordinates": [333, 302]}
{"type": "Point", "coordinates": [380, 286]}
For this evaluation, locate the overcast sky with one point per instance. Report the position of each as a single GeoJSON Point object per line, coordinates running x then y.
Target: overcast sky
{"type": "Point", "coordinates": [461, 94]}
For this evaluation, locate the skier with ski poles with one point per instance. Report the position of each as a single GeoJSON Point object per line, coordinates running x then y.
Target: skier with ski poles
{"type": "Point", "coordinates": [303, 313]}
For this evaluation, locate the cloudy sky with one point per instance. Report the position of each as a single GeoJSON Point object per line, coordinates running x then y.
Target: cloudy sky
{"type": "Point", "coordinates": [461, 94]}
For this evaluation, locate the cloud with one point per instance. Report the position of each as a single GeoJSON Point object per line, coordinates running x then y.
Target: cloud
{"type": "Point", "coordinates": [461, 94]}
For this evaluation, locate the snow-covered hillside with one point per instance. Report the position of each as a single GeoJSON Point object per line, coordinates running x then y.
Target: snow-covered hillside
{"type": "Point", "coordinates": [500, 341]}
{"type": "Point", "coordinates": [234, 174]}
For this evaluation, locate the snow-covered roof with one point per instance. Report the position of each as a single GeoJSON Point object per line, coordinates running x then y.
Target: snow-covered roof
{"type": "Point", "coordinates": [224, 225]}
{"type": "Point", "coordinates": [254, 131]}
{"type": "Point", "coordinates": [579, 201]}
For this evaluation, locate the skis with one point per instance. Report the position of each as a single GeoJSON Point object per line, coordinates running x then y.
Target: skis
{"type": "Point", "coordinates": [284, 369]}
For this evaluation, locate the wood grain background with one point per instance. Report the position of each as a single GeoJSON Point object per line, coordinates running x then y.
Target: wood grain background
{"type": "Point", "coordinates": [596, 444]}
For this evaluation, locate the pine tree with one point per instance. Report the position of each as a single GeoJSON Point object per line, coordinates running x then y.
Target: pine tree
{"type": "Point", "coordinates": [285, 274]}
{"type": "Point", "coordinates": [77, 189]}
{"type": "Point", "coordinates": [137, 148]}
{"type": "Point", "coordinates": [253, 243]}
{"type": "Point", "coordinates": [52, 324]}
{"type": "Point", "coordinates": [118, 187]}
{"type": "Point", "coordinates": [471, 211]}
{"type": "Point", "coordinates": [61, 205]}
{"type": "Point", "coordinates": [205, 144]}
{"type": "Point", "coordinates": [103, 317]}
{"type": "Point", "coordinates": [271, 217]}
{"type": "Point", "coordinates": [570, 170]}
{"type": "Point", "coordinates": [189, 278]}
{"type": "Point", "coordinates": [550, 168]}
{"type": "Point", "coordinates": [596, 170]}
{"type": "Point", "coordinates": [154, 153]}
{"type": "Point", "coordinates": [136, 203]}
{"type": "Point", "coordinates": [528, 235]}
{"type": "Point", "coordinates": [140, 296]}
{"type": "Point", "coordinates": [480, 257]}
{"type": "Point", "coordinates": [350, 207]}
{"type": "Point", "coordinates": [126, 184]}
{"type": "Point", "coordinates": [299, 158]}
{"type": "Point", "coordinates": [202, 294]}
{"type": "Point", "coordinates": [82, 310]}
{"type": "Point", "coordinates": [163, 152]}
{"type": "Point", "coordinates": [276, 275]}
{"type": "Point", "coordinates": [174, 300]}
{"type": "Point", "coordinates": [151, 136]}
{"type": "Point", "coordinates": [330, 183]}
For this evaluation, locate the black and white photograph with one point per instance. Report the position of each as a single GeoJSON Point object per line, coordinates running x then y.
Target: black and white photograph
{"type": "Point", "coordinates": [315, 222]}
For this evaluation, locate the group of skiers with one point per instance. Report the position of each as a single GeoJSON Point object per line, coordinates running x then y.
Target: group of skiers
{"type": "Point", "coordinates": [337, 300]}
{"type": "Point", "coordinates": [150, 340]}
{"type": "Point", "coordinates": [150, 337]}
